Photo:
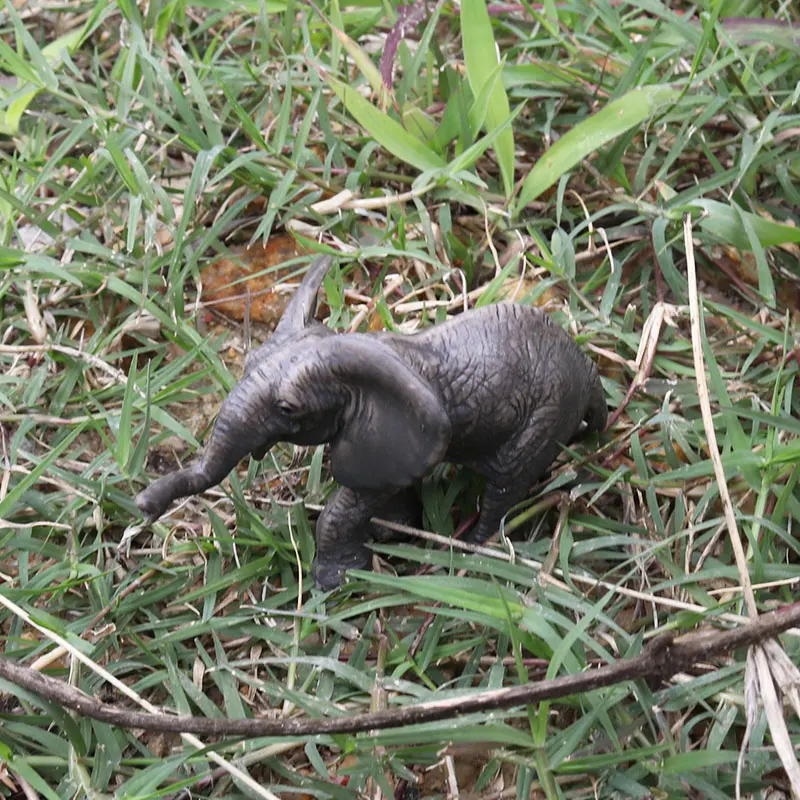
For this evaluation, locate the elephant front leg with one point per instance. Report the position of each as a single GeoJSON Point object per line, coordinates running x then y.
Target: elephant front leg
{"type": "Point", "coordinates": [343, 528]}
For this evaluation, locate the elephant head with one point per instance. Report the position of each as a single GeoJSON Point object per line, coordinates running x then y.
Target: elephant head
{"type": "Point", "coordinates": [307, 386]}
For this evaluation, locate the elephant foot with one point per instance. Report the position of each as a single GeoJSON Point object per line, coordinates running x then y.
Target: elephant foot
{"type": "Point", "coordinates": [328, 572]}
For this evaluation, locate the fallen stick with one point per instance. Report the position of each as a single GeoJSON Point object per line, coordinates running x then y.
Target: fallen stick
{"type": "Point", "coordinates": [663, 657]}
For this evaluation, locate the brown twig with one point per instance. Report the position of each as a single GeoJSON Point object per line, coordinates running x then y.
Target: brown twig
{"type": "Point", "coordinates": [664, 657]}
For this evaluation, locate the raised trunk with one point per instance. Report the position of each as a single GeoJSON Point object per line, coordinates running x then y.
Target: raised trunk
{"type": "Point", "coordinates": [235, 435]}
{"type": "Point", "coordinates": [212, 469]}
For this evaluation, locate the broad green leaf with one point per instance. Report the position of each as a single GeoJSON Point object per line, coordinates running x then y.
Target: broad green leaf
{"type": "Point", "coordinates": [16, 65]}
{"type": "Point", "coordinates": [725, 222]}
{"type": "Point", "coordinates": [473, 153]}
{"type": "Point", "coordinates": [125, 419]}
{"type": "Point", "coordinates": [164, 21]}
{"type": "Point", "coordinates": [21, 766]}
{"type": "Point", "coordinates": [39, 60]}
{"type": "Point", "coordinates": [617, 117]}
{"type": "Point", "coordinates": [419, 123]}
{"type": "Point", "coordinates": [40, 264]}
{"type": "Point", "coordinates": [53, 53]}
{"type": "Point", "coordinates": [282, 128]}
{"type": "Point", "coordinates": [583, 764]}
{"type": "Point", "coordinates": [145, 782]}
{"type": "Point", "coordinates": [461, 593]}
{"type": "Point", "coordinates": [141, 178]}
{"type": "Point", "coordinates": [468, 729]}
{"type": "Point", "coordinates": [698, 759]}
{"type": "Point", "coordinates": [766, 285]}
{"type": "Point", "coordinates": [137, 459]}
{"type": "Point", "coordinates": [482, 59]}
{"type": "Point", "coordinates": [455, 116]}
{"type": "Point", "coordinates": [480, 108]}
{"type": "Point", "coordinates": [533, 74]}
{"type": "Point", "coordinates": [386, 131]}
{"type": "Point", "coordinates": [115, 153]}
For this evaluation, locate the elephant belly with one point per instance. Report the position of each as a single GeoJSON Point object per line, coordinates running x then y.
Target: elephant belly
{"type": "Point", "coordinates": [473, 446]}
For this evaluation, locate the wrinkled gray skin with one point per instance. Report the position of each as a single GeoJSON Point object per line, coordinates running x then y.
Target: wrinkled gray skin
{"type": "Point", "coordinates": [496, 389]}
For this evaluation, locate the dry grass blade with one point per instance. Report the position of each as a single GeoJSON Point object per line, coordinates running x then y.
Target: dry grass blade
{"type": "Point", "coordinates": [73, 352]}
{"type": "Point", "coordinates": [785, 672]}
{"type": "Point", "coordinates": [708, 422]}
{"type": "Point", "coordinates": [764, 666]}
{"type": "Point", "coordinates": [36, 324]}
{"type": "Point", "coordinates": [751, 714]}
{"type": "Point", "coordinates": [773, 709]}
{"type": "Point", "coordinates": [346, 200]}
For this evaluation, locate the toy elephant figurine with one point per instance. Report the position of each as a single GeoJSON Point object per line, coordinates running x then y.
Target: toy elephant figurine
{"type": "Point", "coordinates": [496, 389]}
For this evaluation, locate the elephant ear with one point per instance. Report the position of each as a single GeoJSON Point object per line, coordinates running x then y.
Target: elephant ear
{"type": "Point", "coordinates": [303, 305]}
{"type": "Point", "coordinates": [298, 314]}
{"type": "Point", "coordinates": [395, 427]}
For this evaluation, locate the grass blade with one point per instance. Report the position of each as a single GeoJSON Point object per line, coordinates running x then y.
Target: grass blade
{"type": "Point", "coordinates": [53, 55]}
{"type": "Point", "coordinates": [365, 66]}
{"type": "Point", "coordinates": [385, 130]}
{"type": "Point", "coordinates": [617, 117]}
{"type": "Point", "coordinates": [482, 59]}
{"type": "Point", "coordinates": [726, 223]}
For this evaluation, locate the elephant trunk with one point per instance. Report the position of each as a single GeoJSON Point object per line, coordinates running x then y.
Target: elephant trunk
{"type": "Point", "coordinates": [231, 440]}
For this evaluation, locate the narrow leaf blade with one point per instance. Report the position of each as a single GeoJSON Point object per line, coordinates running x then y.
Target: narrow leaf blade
{"type": "Point", "coordinates": [617, 117]}
{"type": "Point", "coordinates": [481, 58]}
{"type": "Point", "coordinates": [386, 131]}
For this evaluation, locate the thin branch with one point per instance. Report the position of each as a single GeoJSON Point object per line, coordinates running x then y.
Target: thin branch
{"type": "Point", "coordinates": [7, 668]}
{"type": "Point", "coordinates": [545, 578]}
{"type": "Point", "coordinates": [664, 657]}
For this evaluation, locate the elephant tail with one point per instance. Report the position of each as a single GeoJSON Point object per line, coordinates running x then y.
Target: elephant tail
{"type": "Point", "coordinates": [597, 411]}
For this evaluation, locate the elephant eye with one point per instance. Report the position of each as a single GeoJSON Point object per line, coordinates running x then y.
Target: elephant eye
{"type": "Point", "coordinates": [286, 408]}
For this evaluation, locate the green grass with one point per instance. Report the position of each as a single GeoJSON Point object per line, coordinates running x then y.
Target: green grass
{"type": "Point", "coordinates": [129, 151]}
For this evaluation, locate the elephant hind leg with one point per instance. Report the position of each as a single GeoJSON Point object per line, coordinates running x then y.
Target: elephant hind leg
{"type": "Point", "coordinates": [343, 529]}
{"type": "Point", "coordinates": [512, 471]}
{"type": "Point", "coordinates": [404, 508]}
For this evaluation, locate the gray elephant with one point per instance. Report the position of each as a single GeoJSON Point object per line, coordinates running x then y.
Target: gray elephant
{"type": "Point", "coordinates": [496, 389]}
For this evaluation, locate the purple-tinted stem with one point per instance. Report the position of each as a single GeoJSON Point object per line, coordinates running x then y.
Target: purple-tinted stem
{"type": "Point", "coordinates": [408, 18]}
